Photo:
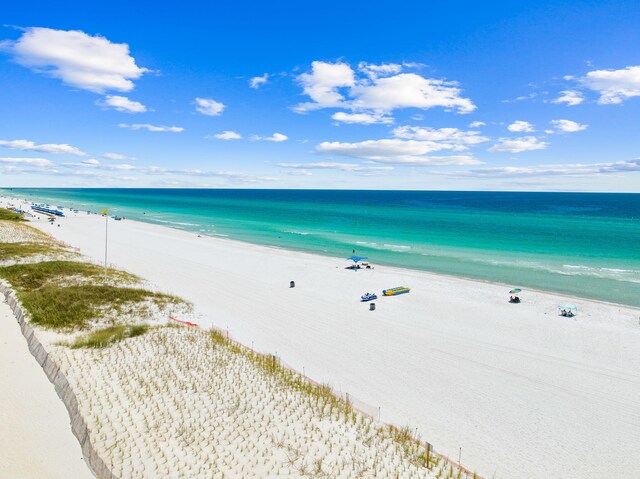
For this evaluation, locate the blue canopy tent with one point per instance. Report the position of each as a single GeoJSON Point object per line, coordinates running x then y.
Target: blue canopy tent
{"type": "Point", "coordinates": [356, 259]}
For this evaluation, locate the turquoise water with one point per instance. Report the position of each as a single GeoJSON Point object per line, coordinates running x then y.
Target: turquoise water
{"type": "Point", "coordinates": [580, 244]}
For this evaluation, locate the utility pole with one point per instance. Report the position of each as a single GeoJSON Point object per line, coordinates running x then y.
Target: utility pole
{"type": "Point", "coordinates": [106, 236]}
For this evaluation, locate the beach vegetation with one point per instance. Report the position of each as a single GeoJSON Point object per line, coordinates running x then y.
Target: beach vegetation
{"type": "Point", "coordinates": [9, 251]}
{"type": "Point", "coordinates": [9, 215]}
{"type": "Point", "coordinates": [60, 273]}
{"type": "Point", "coordinates": [74, 307]}
{"type": "Point", "coordinates": [68, 295]}
{"type": "Point", "coordinates": [14, 231]}
{"type": "Point", "coordinates": [104, 337]}
{"type": "Point", "coordinates": [328, 404]}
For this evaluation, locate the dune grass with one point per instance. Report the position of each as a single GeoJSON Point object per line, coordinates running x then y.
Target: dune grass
{"type": "Point", "coordinates": [10, 251]}
{"type": "Point", "coordinates": [102, 338]}
{"type": "Point", "coordinates": [68, 295]}
{"type": "Point", "coordinates": [323, 397]}
{"type": "Point", "coordinates": [73, 307]}
{"type": "Point", "coordinates": [59, 273]}
{"type": "Point", "coordinates": [9, 215]}
{"type": "Point", "coordinates": [20, 232]}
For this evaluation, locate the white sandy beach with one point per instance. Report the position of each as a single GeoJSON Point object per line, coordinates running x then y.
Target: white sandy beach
{"type": "Point", "coordinates": [525, 393]}
{"type": "Point", "coordinates": [36, 441]}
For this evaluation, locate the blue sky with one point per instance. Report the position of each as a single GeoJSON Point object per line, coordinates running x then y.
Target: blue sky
{"type": "Point", "coordinates": [410, 95]}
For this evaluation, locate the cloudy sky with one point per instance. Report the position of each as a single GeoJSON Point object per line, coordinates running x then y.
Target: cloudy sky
{"type": "Point", "coordinates": [409, 95]}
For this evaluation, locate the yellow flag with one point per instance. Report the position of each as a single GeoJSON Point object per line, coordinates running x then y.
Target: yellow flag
{"type": "Point", "coordinates": [105, 211]}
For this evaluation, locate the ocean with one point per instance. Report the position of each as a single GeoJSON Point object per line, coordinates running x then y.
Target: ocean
{"type": "Point", "coordinates": [578, 244]}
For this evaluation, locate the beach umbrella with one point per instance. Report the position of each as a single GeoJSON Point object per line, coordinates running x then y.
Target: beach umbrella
{"type": "Point", "coordinates": [515, 291]}
{"type": "Point", "coordinates": [356, 258]}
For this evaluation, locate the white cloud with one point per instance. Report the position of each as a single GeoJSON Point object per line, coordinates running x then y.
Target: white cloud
{"type": "Point", "coordinates": [379, 89]}
{"type": "Point", "coordinates": [209, 107]}
{"type": "Point", "coordinates": [568, 126]}
{"type": "Point", "coordinates": [520, 126]}
{"type": "Point", "coordinates": [361, 118]}
{"type": "Point", "coordinates": [449, 135]}
{"type": "Point", "coordinates": [530, 96]}
{"type": "Point", "coordinates": [39, 162]}
{"type": "Point", "coordinates": [256, 82]}
{"type": "Point", "coordinates": [409, 90]}
{"type": "Point", "coordinates": [146, 126]}
{"type": "Point", "coordinates": [97, 165]}
{"type": "Point", "coordinates": [335, 166]}
{"type": "Point", "coordinates": [518, 145]}
{"type": "Point", "coordinates": [234, 176]}
{"type": "Point", "coordinates": [26, 145]}
{"type": "Point", "coordinates": [614, 86]}
{"type": "Point", "coordinates": [322, 85]}
{"type": "Point", "coordinates": [227, 135]}
{"type": "Point", "coordinates": [376, 71]}
{"type": "Point", "coordinates": [83, 61]}
{"type": "Point", "coordinates": [396, 151]}
{"type": "Point", "coordinates": [579, 169]}
{"type": "Point", "coordinates": [117, 157]}
{"type": "Point", "coordinates": [276, 137]}
{"type": "Point", "coordinates": [570, 97]}
{"type": "Point", "coordinates": [122, 103]}
{"type": "Point", "coordinates": [476, 124]}
{"type": "Point", "coordinates": [122, 167]}
{"type": "Point", "coordinates": [298, 173]}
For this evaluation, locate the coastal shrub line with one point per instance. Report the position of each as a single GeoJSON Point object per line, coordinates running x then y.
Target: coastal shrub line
{"type": "Point", "coordinates": [60, 273]}
{"type": "Point", "coordinates": [9, 215]}
{"type": "Point", "coordinates": [67, 295]}
{"type": "Point", "coordinates": [73, 307]}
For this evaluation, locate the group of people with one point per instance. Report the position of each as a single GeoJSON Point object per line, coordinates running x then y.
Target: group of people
{"type": "Point", "coordinates": [514, 299]}
{"type": "Point", "coordinates": [357, 266]}
{"type": "Point", "coordinates": [567, 312]}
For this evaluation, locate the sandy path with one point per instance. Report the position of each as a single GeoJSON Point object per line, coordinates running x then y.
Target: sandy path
{"type": "Point", "coordinates": [35, 435]}
{"type": "Point", "coordinates": [523, 392]}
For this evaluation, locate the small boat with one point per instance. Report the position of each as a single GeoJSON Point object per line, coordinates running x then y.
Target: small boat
{"type": "Point", "coordinates": [395, 291]}
{"type": "Point", "coordinates": [368, 297]}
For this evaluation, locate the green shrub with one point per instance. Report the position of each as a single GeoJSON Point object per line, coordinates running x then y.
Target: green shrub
{"type": "Point", "coordinates": [37, 275]}
{"type": "Point", "coordinates": [107, 336]}
{"type": "Point", "coordinates": [73, 307]}
{"type": "Point", "coordinates": [9, 215]}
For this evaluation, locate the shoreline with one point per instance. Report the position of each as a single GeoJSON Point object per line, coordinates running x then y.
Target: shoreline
{"type": "Point", "coordinates": [509, 384]}
{"type": "Point", "coordinates": [240, 242]}
{"type": "Point", "coordinates": [402, 268]}
{"type": "Point", "coordinates": [611, 280]}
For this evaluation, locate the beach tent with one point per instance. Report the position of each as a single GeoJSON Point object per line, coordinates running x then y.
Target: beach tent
{"type": "Point", "coordinates": [356, 258]}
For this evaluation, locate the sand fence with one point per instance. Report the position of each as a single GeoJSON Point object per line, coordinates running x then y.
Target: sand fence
{"type": "Point", "coordinates": [362, 407]}
{"type": "Point", "coordinates": [62, 387]}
